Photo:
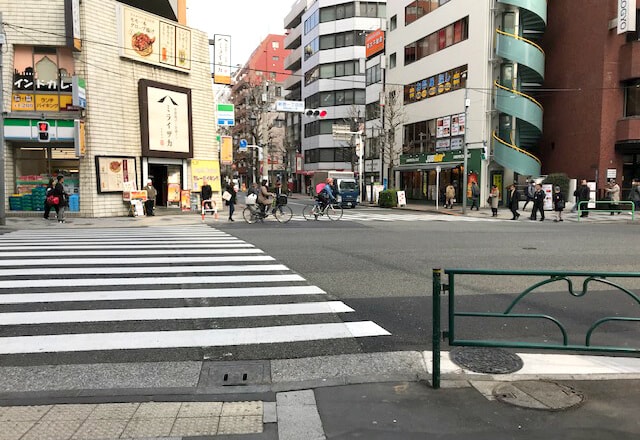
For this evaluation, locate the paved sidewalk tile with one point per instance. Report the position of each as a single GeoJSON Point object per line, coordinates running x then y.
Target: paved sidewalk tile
{"type": "Point", "coordinates": [240, 425]}
{"type": "Point", "coordinates": [114, 411]}
{"type": "Point", "coordinates": [242, 409]}
{"type": "Point", "coordinates": [149, 428]}
{"type": "Point", "coordinates": [195, 426]}
{"type": "Point", "coordinates": [157, 410]}
{"type": "Point", "coordinates": [14, 430]}
{"type": "Point", "coordinates": [99, 429]}
{"type": "Point", "coordinates": [200, 409]}
{"type": "Point", "coordinates": [24, 413]}
{"type": "Point", "coordinates": [53, 430]}
{"type": "Point", "coordinates": [68, 412]}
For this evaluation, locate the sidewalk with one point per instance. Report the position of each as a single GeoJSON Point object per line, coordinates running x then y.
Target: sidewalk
{"type": "Point", "coordinates": [373, 396]}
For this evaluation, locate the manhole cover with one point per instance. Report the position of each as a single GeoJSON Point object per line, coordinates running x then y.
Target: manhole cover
{"type": "Point", "coordinates": [538, 395]}
{"type": "Point", "coordinates": [486, 360]}
{"type": "Point", "coordinates": [235, 373]}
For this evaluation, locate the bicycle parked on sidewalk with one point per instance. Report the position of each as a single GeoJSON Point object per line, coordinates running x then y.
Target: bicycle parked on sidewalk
{"type": "Point", "coordinates": [279, 208]}
{"type": "Point", "coordinates": [332, 211]}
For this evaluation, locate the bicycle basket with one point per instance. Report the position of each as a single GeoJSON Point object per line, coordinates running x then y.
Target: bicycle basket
{"type": "Point", "coordinates": [251, 199]}
{"type": "Point", "coordinates": [282, 199]}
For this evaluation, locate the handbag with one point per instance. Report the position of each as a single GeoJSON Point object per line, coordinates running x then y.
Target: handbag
{"type": "Point", "coordinates": [560, 204]}
{"type": "Point", "coordinates": [226, 196]}
{"type": "Point", "coordinates": [489, 200]}
{"type": "Point", "coordinates": [251, 199]}
{"type": "Point", "coordinates": [53, 200]}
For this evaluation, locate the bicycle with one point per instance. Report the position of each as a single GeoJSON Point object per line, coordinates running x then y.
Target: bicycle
{"type": "Point", "coordinates": [281, 211]}
{"type": "Point", "coordinates": [332, 211]}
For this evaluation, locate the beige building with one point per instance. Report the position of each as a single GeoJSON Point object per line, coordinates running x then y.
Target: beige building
{"type": "Point", "coordinates": [137, 81]}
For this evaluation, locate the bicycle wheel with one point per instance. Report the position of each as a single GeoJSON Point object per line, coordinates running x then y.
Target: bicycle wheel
{"type": "Point", "coordinates": [283, 214]}
{"type": "Point", "coordinates": [249, 216]}
{"type": "Point", "coordinates": [309, 212]}
{"type": "Point", "coordinates": [334, 212]}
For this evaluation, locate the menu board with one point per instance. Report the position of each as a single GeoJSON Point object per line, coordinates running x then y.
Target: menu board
{"type": "Point", "coordinates": [150, 39]}
{"type": "Point", "coordinates": [114, 173]}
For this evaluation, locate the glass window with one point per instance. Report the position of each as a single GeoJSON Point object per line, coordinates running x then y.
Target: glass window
{"type": "Point", "coordinates": [327, 14]}
{"type": "Point", "coordinates": [506, 75]}
{"type": "Point", "coordinates": [360, 97]}
{"type": "Point", "coordinates": [410, 54]}
{"type": "Point", "coordinates": [393, 23]}
{"type": "Point", "coordinates": [392, 61]}
{"type": "Point", "coordinates": [433, 43]}
{"type": "Point", "coordinates": [275, 45]}
{"type": "Point", "coordinates": [349, 10]}
{"type": "Point", "coordinates": [339, 40]}
{"type": "Point", "coordinates": [339, 69]}
{"type": "Point", "coordinates": [348, 97]}
{"type": "Point", "coordinates": [326, 155]}
{"type": "Point", "coordinates": [449, 32]}
{"type": "Point", "coordinates": [275, 58]}
{"type": "Point", "coordinates": [340, 12]}
{"type": "Point", "coordinates": [632, 98]}
{"type": "Point", "coordinates": [327, 42]}
{"type": "Point", "coordinates": [348, 39]}
{"type": "Point", "coordinates": [326, 127]}
{"type": "Point", "coordinates": [422, 48]}
{"type": "Point", "coordinates": [361, 36]}
{"type": "Point", "coordinates": [349, 68]}
{"type": "Point", "coordinates": [509, 22]}
{"type": "Point", "coordinates": [327, 71]}
{"type": "Point", "coordinates": [327, 99]}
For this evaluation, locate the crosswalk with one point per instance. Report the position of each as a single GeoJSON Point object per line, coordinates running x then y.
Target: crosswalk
{"type": "Point", "coordinates": [375, 215]}
{"type": "Point", "coordinates": [110, 289]}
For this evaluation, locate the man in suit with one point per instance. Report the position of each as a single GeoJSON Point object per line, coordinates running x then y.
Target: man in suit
{"type": "Point", "coordinates": [512, 201]}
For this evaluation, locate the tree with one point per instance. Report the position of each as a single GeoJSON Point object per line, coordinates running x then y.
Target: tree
{"type": "Point", "coordinates": [393, 117]}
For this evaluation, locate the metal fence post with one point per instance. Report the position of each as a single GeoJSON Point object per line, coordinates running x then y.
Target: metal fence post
{"type": "Point", "coordinates": [437, 286]}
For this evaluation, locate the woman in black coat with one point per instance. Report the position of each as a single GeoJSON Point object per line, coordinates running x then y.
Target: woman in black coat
{"type": "Point", "coordinates": [558, 204]}
{"type": "Point", "coordinates": [47, 205]}
{"type": "Point", "coordinates": [231, 203]}
{"type": "Point", "coordinates": [513, 198]}
{"type": "Point", "coordinates": [59, 192]}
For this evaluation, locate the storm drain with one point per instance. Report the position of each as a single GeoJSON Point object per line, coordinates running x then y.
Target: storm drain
{"type": "Point", "coordinates": [241, 373]}
{"type": "Point", "coordinates": [538, 395]}
{"type": "Point", "coordinates": [486, 360]}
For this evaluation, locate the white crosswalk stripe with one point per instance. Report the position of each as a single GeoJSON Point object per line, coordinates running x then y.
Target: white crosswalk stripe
{"type": "Point", "coordinates": [156, 288]}
{"type": "Point", "coordinates": [373, 215]}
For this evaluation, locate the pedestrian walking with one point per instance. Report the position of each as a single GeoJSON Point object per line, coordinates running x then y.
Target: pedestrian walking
{"type": "Point", "coordinates": [583, 196]}
{"type": "Point", "coordinates": [61, 194]}
{"type": "Point", "coordinates": [231, 203]}
{"type": "Point", "coordinates": [613, 191]}
{"type": "Point", "coordinates": [47, 204]}
{"type": "Point", "coordinates": [475, 196]}
{"type": "Point", "coordinates": [151, 198]}
{"type": "Point", "coordinates": [634, 195]}
{"type": "Point", "coordinates": [538, 203]}
{"type": "Point", "coordinates": [530, 194]}
{"type": "Point", "coordinates": [450, 194]}
{"type": "Point", "coordinates": [494, 200]}
{"type": "Point", "coordinates": [513, 198]}
{"type": "Point", "coordinates": [558, 204]}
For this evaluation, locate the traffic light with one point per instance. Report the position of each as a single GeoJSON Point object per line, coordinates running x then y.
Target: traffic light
{"type": "Point", "coordinates": [484, 153]}
{"type": "Point", "coordinates": [315, 113]}
{"type": "Point", "coordinates": [43, 131]}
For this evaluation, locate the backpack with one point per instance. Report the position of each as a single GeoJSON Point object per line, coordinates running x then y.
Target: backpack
{"type": "Point", "coordinates": [320, 187]}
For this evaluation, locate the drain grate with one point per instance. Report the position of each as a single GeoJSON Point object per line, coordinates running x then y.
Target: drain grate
{"type": "Point", "coordinates": [486, 360]}
{"type": "Point", "coordinates": [232, 373]}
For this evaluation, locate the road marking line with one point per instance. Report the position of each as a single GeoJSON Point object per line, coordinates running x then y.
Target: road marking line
{"type": "Point", "coordinates": [169, 313]}
{"type": "Point", "coordinates": [61, 246]}
{"type": "Point", "coordinates": [143, 271]}
{"type": "Point", "coordinates": [60, 262]}
{"type": "Point", "coordinates": [129, 252]}
{"type": "Point", "coordinates": [133, 295]}
{"type": "Point", "coordinates": [139, 281]}
{"type": "Point", "coordinates": [188, 338]}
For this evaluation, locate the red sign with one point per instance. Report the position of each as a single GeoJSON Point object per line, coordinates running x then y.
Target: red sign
{"type": "Point", "coordinates": [374, 42]}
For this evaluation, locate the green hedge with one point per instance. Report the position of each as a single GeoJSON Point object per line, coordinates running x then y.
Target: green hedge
{"type": "Point", "coordinates": [388, 198]}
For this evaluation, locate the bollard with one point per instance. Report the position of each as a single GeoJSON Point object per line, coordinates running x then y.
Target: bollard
{"type": "Point", "coordinates": [437, 287]}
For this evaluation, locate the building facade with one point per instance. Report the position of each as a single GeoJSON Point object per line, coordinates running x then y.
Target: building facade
{"type": "Point", "coordinates": [126, 94]}
{"type": "Point", "coordinates": [592, 129]}
{"type": "Point", "coordinates": [327, 39]}
{"type": "Point", "coordinates": [256, 88]}
{"type": "Point", "coordinates": [469, 72]}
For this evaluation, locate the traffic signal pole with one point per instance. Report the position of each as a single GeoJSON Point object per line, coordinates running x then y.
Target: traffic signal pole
{"type": "Point", "coordinates": [3, 199]}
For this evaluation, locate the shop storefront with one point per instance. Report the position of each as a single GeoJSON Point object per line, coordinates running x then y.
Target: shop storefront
{"type": "Point", "coordinates": [424, 176]}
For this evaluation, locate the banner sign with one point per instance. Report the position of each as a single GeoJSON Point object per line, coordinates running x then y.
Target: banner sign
{"type": "Point", "coordinates": [226, 150]}
{"type": "Point", "coordinates": [374, 43]}
{"type": "Point", "coordinates": [222, 59]}
{"type": "Point", "coordinates": [626, 16]}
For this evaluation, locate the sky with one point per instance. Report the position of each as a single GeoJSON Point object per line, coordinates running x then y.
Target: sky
{"type": "Point", "coordinates": [247, 21]}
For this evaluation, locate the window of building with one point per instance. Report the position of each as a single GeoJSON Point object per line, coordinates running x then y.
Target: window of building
{"type": "Point", "coordinates": [341, 154]}
{"type": "Point", "coordinates": [392, 61]}
{"type": "Point", "coordinates": [632, 98]}
{"type": "Point", "coordinates": [275, 45]}
{"type": "Point", "coordinates": [337, 97]}
{"type": "Point", "coordinates": [372, 111]}
{"type": "Point", "coordinates": [509, 22]}
{"type": "Point", "coordinates": [393, 23]}
{"type": "Point", "coordinates": [372, 9]}
{"type": "Point", "coordinates": [342, 39]}
{"type": "Point", "coordinates": [345, 68]}
{"type": "Point", "coordinates": [373, 75]}
{"type": "Point", "coordinates": [439, 40]}
{"type": "Point", "coordinates": [311, 22]}
{"type": "Point", "coordinates": [418, 9]}
{"type": "Point", "coordinates": [311, 75]}
{"type": "Point", "coordinates": [275, 58]}
{"type": "Point", "coordinates": [337, 12]}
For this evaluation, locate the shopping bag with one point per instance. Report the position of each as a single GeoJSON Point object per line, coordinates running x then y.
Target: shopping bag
{"type": "Point", "coordinates": [226, 196]}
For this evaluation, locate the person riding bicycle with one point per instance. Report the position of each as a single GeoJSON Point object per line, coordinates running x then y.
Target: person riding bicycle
{"type": "Point", "coordinates": [326, 195]}
{"type": "Point", "coordinates": [264, 197]}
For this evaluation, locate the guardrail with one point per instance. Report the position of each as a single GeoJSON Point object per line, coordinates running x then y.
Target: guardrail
{"type": "Point", "coordinates": [609, 203]}
{"type": "Point", "coordinates": [549, 277]}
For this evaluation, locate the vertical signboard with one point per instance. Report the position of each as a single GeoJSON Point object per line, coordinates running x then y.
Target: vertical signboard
{"type": "Point", "coordinates": [222, 59]}
{"type": "Point", "coordinates": [374, 43]}
{"type": "Point", "coordinates": [72, 24]}
{"type": "Point", "coordinates": [626, 16]}
{"type": "Point", "coordinates": [79, 138]}
{"type": "Point", "coordinates": [226, 150]}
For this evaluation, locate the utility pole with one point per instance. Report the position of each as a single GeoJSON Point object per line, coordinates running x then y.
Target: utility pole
{"type": "Point", "coordinates": [3, 199]}
{"type": "Point", "coordinates": [465, 149]}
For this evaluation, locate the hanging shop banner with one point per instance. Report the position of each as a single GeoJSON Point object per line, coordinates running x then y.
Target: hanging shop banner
{"type": "Point", "coordinates": [226, 150]}
{"type": "Point", "coordinates": [165, 119]}
{"type": "Point", "coordinates": [626, 16]}
{"type": "Point", "coordinates": [150, 39]}
{"type": "Point", "coordinates": [72, 24]}
{"type": "Point", "coordinates": [222, 59]}
{"type": "Point", "coordinates": [202, 170]}
{"type": "Point", "coordinates": [114, 172]}
{"type": "Point", "coordinates": [374, 42]}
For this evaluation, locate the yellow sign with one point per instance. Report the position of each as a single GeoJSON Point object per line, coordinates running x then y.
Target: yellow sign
{"type": "Point", "coordinates": [208, 170]}
{"type": "Point", "coordinates": [22, 102]}
{"type": "Point", "coordinates": [47, 103]}
{"type": "Point", "coordinates": [226, 150]}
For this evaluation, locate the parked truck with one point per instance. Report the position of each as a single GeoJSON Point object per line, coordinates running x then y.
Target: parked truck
{"type": "Point", "coordinates": [345, 185]}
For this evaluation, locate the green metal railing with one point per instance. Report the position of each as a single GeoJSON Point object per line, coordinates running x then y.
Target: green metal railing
{"type": "Point", "coordinates": [549, 277]}
{"type": "Point", "coordinates": [632, 210]}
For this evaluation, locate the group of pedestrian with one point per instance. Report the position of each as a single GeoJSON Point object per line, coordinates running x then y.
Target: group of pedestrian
{"type": "Point", "coordinates": [536, 195]}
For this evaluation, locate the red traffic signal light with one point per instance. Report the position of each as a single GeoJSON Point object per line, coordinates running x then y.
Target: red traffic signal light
{"type": "Point", "coordinates": [43, 131]}
{"type": "Point", "coordinates": [316, 113]}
